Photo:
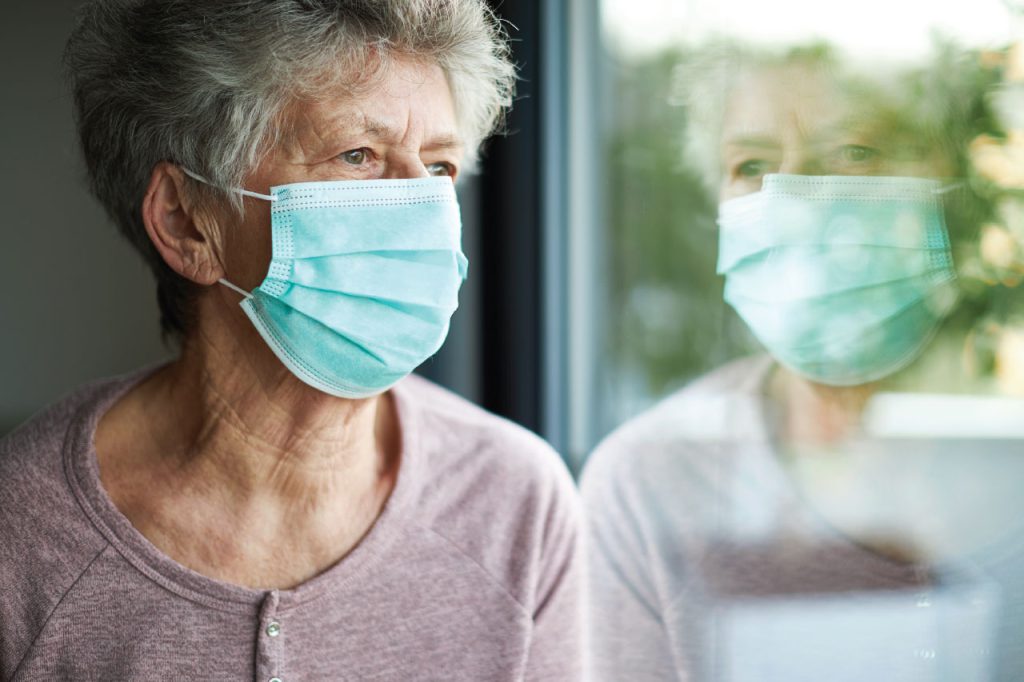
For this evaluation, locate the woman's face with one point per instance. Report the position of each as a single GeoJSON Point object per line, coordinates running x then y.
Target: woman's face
{"type": "Point", "coordinates": [845, 306]}
{"type": "Point", "coordinates": [403, 127]}
{"type": "Point", "coordinates": [804, 120]}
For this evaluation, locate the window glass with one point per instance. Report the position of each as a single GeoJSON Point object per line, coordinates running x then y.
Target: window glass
{"type": "Point", "coordinates": [813, 329]}
{"type": "Point", "coordinates": [935, 87]}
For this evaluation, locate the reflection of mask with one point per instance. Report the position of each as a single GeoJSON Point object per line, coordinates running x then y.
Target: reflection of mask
{"type": "Point", "coordinates": [363, 281]}
{"type": "Point", "coordinates": [843, 279]}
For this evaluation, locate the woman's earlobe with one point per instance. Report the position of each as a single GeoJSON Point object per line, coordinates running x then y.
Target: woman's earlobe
{"type": "Point", "coordinates": [170, 221]}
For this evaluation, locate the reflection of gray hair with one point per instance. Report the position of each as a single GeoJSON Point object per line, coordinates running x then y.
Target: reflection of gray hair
{"type": "Point", "coordinates": [205, 85]}
{"type": "Point", "coordinates": [703, 84]}
{"type": "Point", "coordinates": [937, 99]}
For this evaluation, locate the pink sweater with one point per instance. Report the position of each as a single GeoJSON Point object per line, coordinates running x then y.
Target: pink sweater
{"type": "Point", "coordinates": [470, 573]}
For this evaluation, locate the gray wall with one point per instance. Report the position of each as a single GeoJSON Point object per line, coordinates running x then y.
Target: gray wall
{"type": "Point", "coordinates": [75, 301]}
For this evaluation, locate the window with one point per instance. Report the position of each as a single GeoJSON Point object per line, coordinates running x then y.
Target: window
{"type": "Point", "coordinates": [795, 264]}
{"type": "Point", "coordinates": [931, 76]}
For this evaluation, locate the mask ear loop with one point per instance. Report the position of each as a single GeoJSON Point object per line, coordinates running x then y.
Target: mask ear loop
{"type": "Point", "coordinates": [239, 289]}
{"type": "Point", "coordinates": [243, 192]}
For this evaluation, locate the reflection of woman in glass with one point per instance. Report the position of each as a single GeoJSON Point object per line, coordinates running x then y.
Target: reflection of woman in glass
{"type": "Point", "coordinates": [765, 522]}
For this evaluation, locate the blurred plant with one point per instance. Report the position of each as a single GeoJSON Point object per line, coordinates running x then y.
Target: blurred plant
{"type": "Point", "coordinates": [669, 322]}
{"type": "Point", "coordinates": [1000, 161]}
{"type": "Point", "coordinates": [994, 272]}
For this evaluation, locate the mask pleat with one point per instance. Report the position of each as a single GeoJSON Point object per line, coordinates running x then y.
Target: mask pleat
{"type": "Point", "coordinates": [844, 279]}
{"type": "Point", "coordinates": [387, 326]}
{"type": "Point", "coordinates": [867, 355]}
{"type": "Point", "coordinates": [792, 274]}
{"type": "Point", "coordinates": [330, 232]}
{"type": "Point", "coordinates": [341, 361]}
{"type": "Point", "coordinates": [401, 280]}
{"type": "Point", "coordinates": [789, 222]}
{"type": "Point", "coordinates": [861, 309]}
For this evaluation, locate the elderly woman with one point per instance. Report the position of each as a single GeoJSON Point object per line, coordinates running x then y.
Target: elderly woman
{"type": "Point", "coordinates": [283, 501]}
{"type": "Point", "coordinates": [778, 519]}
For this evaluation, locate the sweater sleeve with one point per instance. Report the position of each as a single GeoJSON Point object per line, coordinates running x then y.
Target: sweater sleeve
{"type": "Point", "coordinates": [45, 544]}
{"type": "Point", "coordinates": [556, 645]}
{"type": "Point", "coordinates": [627, 638]}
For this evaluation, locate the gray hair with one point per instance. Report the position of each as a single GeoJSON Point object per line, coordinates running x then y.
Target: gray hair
{"type": "Point", "coordinates": [205, 84]}
{"type": "Point", "coordinates": [703, 84]}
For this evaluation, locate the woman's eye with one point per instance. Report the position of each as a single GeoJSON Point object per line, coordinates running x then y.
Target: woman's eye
{"type": "Point", "coordinates": [441, 169]}
{"type": "Point", "coordinates": [354, 157]}
{"type": "Point", "coordinates": [855, 153]}
{"type": "Point", "coordinates": [752, 168]}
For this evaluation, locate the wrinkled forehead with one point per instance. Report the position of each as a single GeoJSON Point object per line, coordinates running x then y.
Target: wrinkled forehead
{"type": "Point", "coordinates": [409, 98]}
{"type": "Point", "coordinates": [784, 101]}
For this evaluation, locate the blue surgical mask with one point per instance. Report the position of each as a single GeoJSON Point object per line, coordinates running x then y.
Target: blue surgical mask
{"type": "Point", "coordinates": [363, 281]}
{"type": "Point", "coordinates": [843, 279]}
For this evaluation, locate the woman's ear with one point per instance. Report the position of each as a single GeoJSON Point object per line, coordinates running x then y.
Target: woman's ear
{"type": "Point", "coordinates": [185, 239]}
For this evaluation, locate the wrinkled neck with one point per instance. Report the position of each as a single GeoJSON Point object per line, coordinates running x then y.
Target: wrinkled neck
{"type": "Point", "coordinates": [246, 420]}
{"type": "Point", "coordinates": [816, 414]}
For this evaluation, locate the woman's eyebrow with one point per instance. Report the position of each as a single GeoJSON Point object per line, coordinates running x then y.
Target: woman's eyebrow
{"type": "Point", "coordinates": [752, 141]}
{"type": "Point", "coordinates": [383, 131]}
{"type": "Point", "coordinates": [446, 141]}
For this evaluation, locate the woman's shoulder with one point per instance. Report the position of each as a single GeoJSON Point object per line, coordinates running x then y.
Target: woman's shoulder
{"type": "Point", "coordinates": [35, 476]}
{"type": "Point", "coordinates": [677, 480]}
{"type": "Point", "coordinates": [456, 433]}
{"type": "Point", "coordinates": [489, 487]}
{"type": "Point", "coordinates": [35, 449]}
{"type": "Point", "coordinates": [685, 451]}
{"type": "Point", "coordinates": [721, 406]}
{"type": "Point", "coordinates": [46, 541]}
{"type": "Point", "coordinates": [31, 455]}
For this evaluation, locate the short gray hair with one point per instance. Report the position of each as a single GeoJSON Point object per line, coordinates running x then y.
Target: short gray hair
{"type": "Point", "coordinates": [204, 84]}
{"type": "Point", "coordinates": [703, 85]}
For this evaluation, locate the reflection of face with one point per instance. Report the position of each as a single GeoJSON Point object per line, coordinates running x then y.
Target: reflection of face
{"type": "Point", "coordinates": [801, 120]}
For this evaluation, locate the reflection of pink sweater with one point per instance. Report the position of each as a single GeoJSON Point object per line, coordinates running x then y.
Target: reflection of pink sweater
{"type": "Point", "coordinates": [706, 563]}
{"type": "Point", "coordinates": [470, 573]}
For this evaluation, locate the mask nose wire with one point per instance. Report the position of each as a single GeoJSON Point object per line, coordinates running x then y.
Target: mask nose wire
{"type": "Point", "coordinates": [949, 188]}
{"type": "Point", "coordinates": [243, 192]}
